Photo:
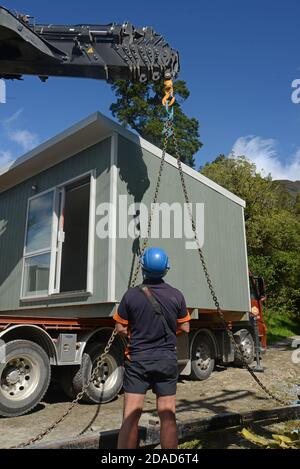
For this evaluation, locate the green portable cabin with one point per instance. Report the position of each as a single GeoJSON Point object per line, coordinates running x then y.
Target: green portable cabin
{"type": "Point", "coordinates": [57, 201]}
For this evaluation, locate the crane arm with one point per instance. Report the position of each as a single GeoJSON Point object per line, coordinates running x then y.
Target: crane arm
{"type": "Point", "coordinates": [108, 52]}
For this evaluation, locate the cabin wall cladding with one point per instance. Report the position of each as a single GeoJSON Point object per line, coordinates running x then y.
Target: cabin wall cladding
{"type": "Point", "coordinates": [124, 166]}
{"type": "Point", "coordinates": [13, 206]}
{"type": "Point", "coordinates": [224, 242]}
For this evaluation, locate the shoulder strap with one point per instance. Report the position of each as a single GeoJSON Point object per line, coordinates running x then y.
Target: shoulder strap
{"type": "Point", "coordinates": [157, 307]}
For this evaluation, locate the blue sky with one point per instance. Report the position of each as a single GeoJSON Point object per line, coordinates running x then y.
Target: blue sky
{"type": "Point", "coordinates": [239, 58]}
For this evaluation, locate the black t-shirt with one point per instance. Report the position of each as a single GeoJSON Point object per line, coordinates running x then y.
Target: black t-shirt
{"type": "Point", "coordinates": [147, 336]}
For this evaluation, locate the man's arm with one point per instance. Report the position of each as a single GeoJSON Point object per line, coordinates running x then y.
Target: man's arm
{"type": "Point", "coordinates": [183, 319]}
{"type": "Point", "coordinates": [121, 317]}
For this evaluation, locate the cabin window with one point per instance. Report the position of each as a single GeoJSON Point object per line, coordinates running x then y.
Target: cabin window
{"type": "Point", "coordinates": [37, 251]}
{"type": "Point", "coordinates": [36, 275]}
{"type": "Point", "coordinates": [59, 240]}
{"type": "Point", "coordinates": [39, 223]}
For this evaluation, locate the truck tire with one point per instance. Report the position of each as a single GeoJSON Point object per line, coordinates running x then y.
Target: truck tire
{"type": "Point", "coordinates": [202, 357]}
{"type": "Point", "coordinates": [24, 377]}
{"type": "Point", "coordinates": [244, 338]}
{"type": "Point", "coordinates": [109, 383]}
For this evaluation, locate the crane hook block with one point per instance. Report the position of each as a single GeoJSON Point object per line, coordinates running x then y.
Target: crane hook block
{"type": "Point", "coordinates": [168, 99]}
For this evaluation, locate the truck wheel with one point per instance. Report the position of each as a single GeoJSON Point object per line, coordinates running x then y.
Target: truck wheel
{"type": "Point", "coordinates": [202, 357]}
{"type": "Point", "coordinates": [244, 338]}
{"type": "Point", "coordinates": [110, 379]}
{"type": "Point", "coordinates": [24, 377]}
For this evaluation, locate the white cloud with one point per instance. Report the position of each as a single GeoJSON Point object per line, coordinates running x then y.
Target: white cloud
{"type": "Point", "coordinates": [25, 138]}
{"type": "Point", "coordinates": [14, 133]}
{"type": "Point", "coordinates": [264, 153]}
{"type": "Point", "coordinates": [6, 159]}
{"type": "Point", "coordinates": [13, 117]}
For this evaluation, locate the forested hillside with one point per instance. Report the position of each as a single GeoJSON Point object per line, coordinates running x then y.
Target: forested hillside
{"type": "Point", "coordinates": [293, 187]}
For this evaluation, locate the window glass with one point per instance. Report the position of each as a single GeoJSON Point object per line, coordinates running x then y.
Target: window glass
{"type": "Point", "coordinates": [39, 225]}
{"type": "Point", "coordinates": [36, 275]}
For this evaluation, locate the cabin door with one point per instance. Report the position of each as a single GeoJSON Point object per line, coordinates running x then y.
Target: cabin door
{"type": "Point", "coordinates": [71, 252]}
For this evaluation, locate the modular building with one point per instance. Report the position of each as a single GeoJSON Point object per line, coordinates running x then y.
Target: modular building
{"type": "Point", "coordinates": [72, 215]}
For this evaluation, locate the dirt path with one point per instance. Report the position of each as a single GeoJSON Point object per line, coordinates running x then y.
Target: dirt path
{"type": "Point", "coordinates": [227, 390]}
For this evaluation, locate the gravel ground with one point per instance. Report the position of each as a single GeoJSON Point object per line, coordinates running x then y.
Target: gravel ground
{"type": "Point", "coordinates": [227, 390]}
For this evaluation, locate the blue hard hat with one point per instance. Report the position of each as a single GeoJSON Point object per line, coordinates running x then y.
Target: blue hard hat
{"type": "Point", "coordinates": [155, 263]}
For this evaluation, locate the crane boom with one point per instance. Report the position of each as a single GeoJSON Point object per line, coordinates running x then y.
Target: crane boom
{"type": "Point", "coordinates": [109, 52]}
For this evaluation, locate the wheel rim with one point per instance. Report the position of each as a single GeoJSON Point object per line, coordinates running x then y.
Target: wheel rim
{"type": "Point", "coordinates": [19, 377]}
{"type": "Point", "coordinates": [246, 346]}
{"type": "Point", "coordinates": [107, 376]}
{"type": "Point", "coordinates": [203, 356]}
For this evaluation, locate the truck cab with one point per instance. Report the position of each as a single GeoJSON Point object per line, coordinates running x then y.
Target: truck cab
{"type": "Point", "coordinates": [258, 296]}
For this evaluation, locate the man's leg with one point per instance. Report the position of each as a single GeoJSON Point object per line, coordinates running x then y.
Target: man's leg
{"type": "Point", "coordinates": [133, 407]}
{"type": "Point", "coordinates": [166, 408]}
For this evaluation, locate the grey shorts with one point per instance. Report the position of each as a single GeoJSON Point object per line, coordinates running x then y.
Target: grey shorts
{"type": "Point", "coordinates": [159, 375]}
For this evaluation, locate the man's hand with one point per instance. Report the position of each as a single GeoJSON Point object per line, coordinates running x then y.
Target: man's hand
{"type": "Point", "coordinates": [121, 329]}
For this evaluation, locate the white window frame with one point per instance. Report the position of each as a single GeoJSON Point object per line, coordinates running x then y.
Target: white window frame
{"type": "Point", "coordinates": [28, 255]}
{"type": "Point", "coordinates": [53, 290]}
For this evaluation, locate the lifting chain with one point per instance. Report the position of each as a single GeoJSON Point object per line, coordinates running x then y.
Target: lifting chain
{"type": "Point", "coordinates": [101, 359]}
{"type": "Point", "coordinates": [236, 346]}
{"type": "Point", "coordinates": [168, 131]}
{"type": "Point", "coordinates": [79, 396]}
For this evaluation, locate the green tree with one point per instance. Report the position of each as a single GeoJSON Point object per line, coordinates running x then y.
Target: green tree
{"type": "Point", "coordinates": [297, 204]}
{"type": "Point", "coordinates": [139, 106]}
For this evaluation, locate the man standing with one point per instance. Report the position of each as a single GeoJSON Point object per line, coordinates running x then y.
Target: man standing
{"type": "Point", "coordinates": [150, 315]}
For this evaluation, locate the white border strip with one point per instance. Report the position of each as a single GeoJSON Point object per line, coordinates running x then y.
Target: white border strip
{"type": "Point", "coordinates": [112, 246]}
{"type": "Point", "coordinates": [55, 220]}
{"type": "Point", "coordinates": [91, 235]}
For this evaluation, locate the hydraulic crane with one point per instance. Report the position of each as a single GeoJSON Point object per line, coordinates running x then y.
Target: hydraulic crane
{"type": "Point", "coordinates": [108, 52]}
